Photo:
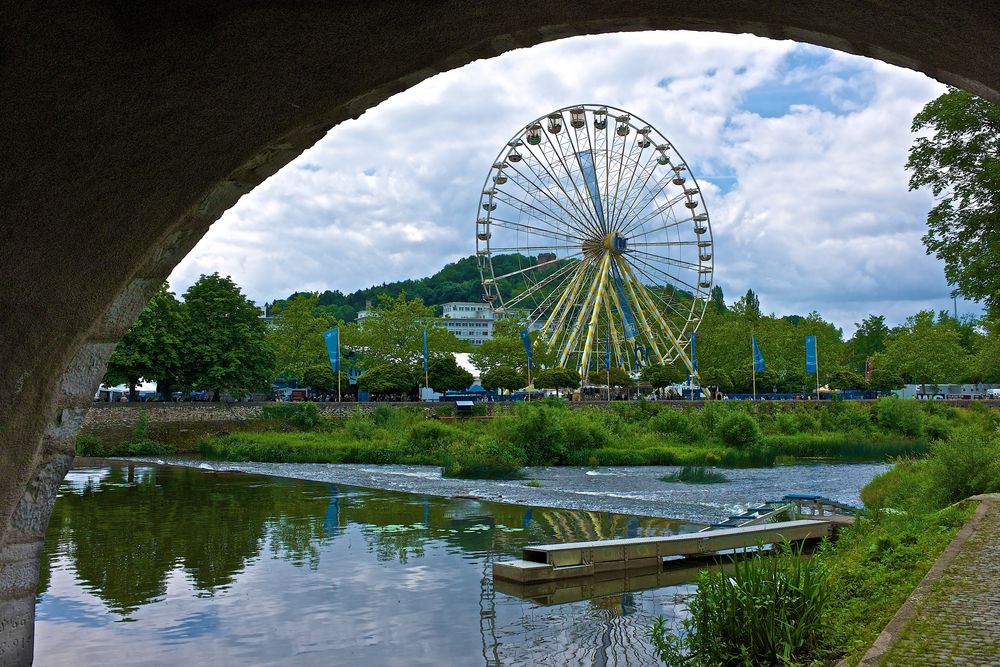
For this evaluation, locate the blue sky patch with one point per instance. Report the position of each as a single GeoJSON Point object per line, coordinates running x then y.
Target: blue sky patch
{"type": "Point", "coordinates": [810, 76]}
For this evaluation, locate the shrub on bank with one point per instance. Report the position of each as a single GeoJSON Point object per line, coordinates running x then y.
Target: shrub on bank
{"type": "Point", "coordinates": [304, 416]}
{"type": "Point", "coordinates": [739, 429]}
{"type": "Point", "coordinates": [898, 416]}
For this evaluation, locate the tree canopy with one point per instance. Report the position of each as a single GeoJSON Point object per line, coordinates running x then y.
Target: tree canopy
{"type": "Point", "coordinates": [152, 347]}
{"type": "Point", "coordinates": [958, 157]}
{"type": "Point", "coordinates": [227, 343]}
{"type": "Point", "coordinates": [297, 338]}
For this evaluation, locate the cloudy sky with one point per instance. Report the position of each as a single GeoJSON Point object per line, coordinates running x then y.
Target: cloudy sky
{"type": "Point", "coordinates": [799, 150]}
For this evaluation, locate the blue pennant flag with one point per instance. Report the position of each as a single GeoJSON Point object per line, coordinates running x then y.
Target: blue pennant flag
{"type": "Point", "coordinates": [332, 340]}
{"type": "Point", "coordinates": [758, 358]}
{"type": "Point", "coordinates": [607, 353]}
{"type": "Point", "coordinates": [425, 351]}
{"type": "Point", "coordinates": [694, 354]}
{"type": "Point", "coordinates": [527, 346]}
{"type": "Point", "coordinates": [810, 354]}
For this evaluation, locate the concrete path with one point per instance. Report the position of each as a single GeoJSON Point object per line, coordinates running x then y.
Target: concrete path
{"type": "Point", "coordinates": [953, 617]}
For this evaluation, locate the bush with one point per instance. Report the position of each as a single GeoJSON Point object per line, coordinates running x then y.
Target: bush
{"type": "Point", "coordinates": [696, 475]}
{"type": "Point", "coordinates": [303, 416]}
{"type": "Point", "coordinates": [936, 427]}
{"type": "Point", "coordinates": [429, 435]}
{"type": "Point", "coordinates": [965, 464]}
{"type": "Point", "coordinates": [676, 423]}
{"type": "Point", "coordinates": [489, 460]}
{"type": "Point", "coordinates": [89, 445]}
{"type": "Point", "coordinates": [898, 416]}
{"type": "Point", "coordinates": [582, 432]}
{"type": "Point", "coordinates": [539, 432]}
{"type": "Point", "coordinates": [360, 426]}
{"type": "Point", "coordinates": [768, 610]}
{"type": "Point", "coordinates": [739, 429]}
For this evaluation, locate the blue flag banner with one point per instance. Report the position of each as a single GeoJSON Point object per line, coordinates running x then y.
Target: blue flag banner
{"type": "Point", "coordinates": [607, 353]}
{"type": "Point", "coordinates": [332, 340]}
{"type": "Point", "coordinates": [629, 326]}
{"type": "Point", "coordinates": [425, 351]}
{"type": "Point", "coordinates": [694, 354]}
{"type": "Point", "coordinates": [586, 159]}
{"type": "Point", "coordinates": [527, 345]}
{"type": "Point", "coordinates": [810, 354]}
{"type": "Point", "coordinates": [758, 358]}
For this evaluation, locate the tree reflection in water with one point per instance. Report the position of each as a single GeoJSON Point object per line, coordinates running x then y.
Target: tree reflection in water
{"type": "Point", "coordinates": [124, 528]}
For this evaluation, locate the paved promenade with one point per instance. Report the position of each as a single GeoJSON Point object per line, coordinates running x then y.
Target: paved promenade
{"type": "Point", "coordinates": [954, 616]}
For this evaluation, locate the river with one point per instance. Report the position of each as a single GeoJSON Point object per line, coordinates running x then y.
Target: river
{"type": "Point", "coordinates": [278, 564]}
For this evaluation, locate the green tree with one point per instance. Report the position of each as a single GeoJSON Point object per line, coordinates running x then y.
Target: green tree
{"type": "Point", "coordinates": [717, 299]}
{"type": "Point", "coordinates": [504, 377]}
{"type": "Point", "coordinates": [869, 338]}
{"type": "Point", "coordinates": [152, 348]}
{"type": "Point", "coordinates": [227, 339]}
{"type": "Point", "coordinates": [845, 379]}
{"type": "Point", "coordinates": [394, 333]}
{"type": "Point", "coordinates": [445, 374]}
{"type": "Point", "coordinates": [748, 306]}
{"type": "Point", "coordinates": [960, 162]}
{"type": "Point", "coordinates": [884, 378]}
{"type": "Point", "coordinates": [506, 349]}
{"type": "Point", "coordinates": [927, 352]}
{"type": "Point", "coordinates": [620, 378]}
{"type": "Point", "coordinates": [557, 378]}
{"type": "Point", "coordinates": [297, 337]}
{"type": "Point", "coordinates": [987, 359]}
{"type": "Point", "coordinates": [391, 377]}
{"type": "Point", "coordinates": [663, 376]}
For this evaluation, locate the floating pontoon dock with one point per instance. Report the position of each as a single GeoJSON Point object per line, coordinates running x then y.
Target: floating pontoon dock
{"type": "Point", "coordinates": [553, 562]}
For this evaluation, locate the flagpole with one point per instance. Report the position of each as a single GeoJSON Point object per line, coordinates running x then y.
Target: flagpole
{"type": "Point", "coordinates": [817, 370]}
{"type": "Point", "coordinates": [338, 367]}
{"type": "Point", "coordinates": [753, 356]}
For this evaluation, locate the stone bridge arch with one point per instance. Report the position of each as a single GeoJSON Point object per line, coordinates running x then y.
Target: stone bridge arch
{"type": "Point", "coordinates": [129, 127]}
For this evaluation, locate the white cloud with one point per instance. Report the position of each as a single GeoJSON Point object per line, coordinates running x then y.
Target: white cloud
{"type": "Point", "coordinates": [800, 151]}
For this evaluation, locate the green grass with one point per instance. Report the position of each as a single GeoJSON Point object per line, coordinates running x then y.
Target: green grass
{"type": "Point", "coordinates": [696, 475]}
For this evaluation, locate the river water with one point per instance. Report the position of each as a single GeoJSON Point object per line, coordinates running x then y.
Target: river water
{"type": "Point", "coordinates": [275, 564]}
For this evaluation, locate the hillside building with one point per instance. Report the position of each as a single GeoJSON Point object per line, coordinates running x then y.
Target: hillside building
{"type": "Point", "coordinates": [468, 320]}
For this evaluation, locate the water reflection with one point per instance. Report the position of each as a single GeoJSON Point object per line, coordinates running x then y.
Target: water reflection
{"type": "Point", "coordinates": [209, 567]}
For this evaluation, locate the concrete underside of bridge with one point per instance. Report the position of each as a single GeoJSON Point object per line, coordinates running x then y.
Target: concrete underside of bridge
{"type": "Point", "coordinates": [129, 127]}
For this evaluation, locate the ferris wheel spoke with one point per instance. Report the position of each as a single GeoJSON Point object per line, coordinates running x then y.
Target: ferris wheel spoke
{"type": "Point", "coordinates": [634, 159]}
{"type": "Point", "coordinates": [521, 227]}
{"type": "Point", "coordinates": [561, 314]}
{"type": "Point", "coordinates": [563, 271]}
{"type": "Point", "coordinates": [579, 217]}
{"type": "Point", "coordinates": [540, 309]}
{"type": "Point", "coordinates": [635, 261]}
{"type": "Point", "coordinates": [589, 173]}
{"type": "Point", "coordinates": [558, 153]}
{"type": "Point", "coordinates": [663, 227]}
{"type": "Point", "coordinates": [509, 198]}
{"type": "Point", "coordinates": [679, 263]}
{"type": "Point", "coordinates": [647, 173]}
{"type": "Point", "coordinates": [661, 244]}
{"type": "Point", "coordinates": [539, 187]}
{"type": "Point", "coordinates": [618, 141]}
{"type": "Point", "coordinates": [659, 210]}
{"type": "Point", "coordinates": [647, 297]}
{"type": "Point", "coordinates": [649, 198]}
{"type": "Point", "coordinates": [659, 301]}
{"type": "Point", "coordinates": [534, 247]}
{"type": "Point", "coordinates": [535, 267]}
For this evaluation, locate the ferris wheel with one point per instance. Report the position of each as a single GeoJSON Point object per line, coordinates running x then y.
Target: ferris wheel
{"type": "Point", "coordinates": [593, 231]}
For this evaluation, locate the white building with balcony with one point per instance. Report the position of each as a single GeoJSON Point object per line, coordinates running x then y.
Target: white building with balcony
{"type": "Point", "coordinates": [468, 320]}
